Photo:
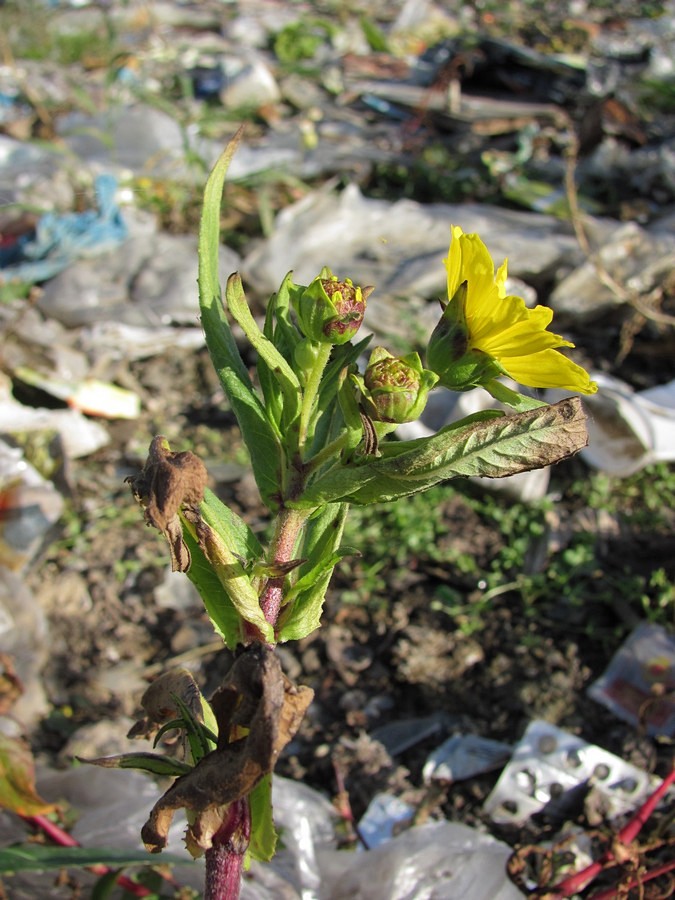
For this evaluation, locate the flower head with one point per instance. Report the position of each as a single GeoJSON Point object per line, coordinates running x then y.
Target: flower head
{"type": "Point", "coordinates": [394, 389]}
{"type": "Point", "coordinates": [331, 311]}
{"type": "Point", "coordinates": [484, 333]}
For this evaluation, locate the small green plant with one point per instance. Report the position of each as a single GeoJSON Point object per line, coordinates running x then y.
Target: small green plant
{"type": "Point", "coordinates": [318, 432]}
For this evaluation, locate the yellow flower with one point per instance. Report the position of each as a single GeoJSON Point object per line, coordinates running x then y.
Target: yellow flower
{"type": "Point", "coordinates": [484, 333]}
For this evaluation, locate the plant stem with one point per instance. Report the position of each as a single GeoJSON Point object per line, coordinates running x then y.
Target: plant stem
{"type": "Point", "coordinates": [225, 858]}
{"type": "Point", "coordinates": [282, 547]}
{"type": "Point", "coordinates": [578, 881]}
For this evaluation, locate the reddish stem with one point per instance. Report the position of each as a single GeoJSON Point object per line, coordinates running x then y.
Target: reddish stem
{"type": "Point", "coordinates": [63, 839]}
{"type": "Point", "coordinates": [656, 872]}
{"type": "Point", "coordinates": [282, 548]}
{"type": "Point", "coordinates": [225, 858]}
{"type": "Point", "coordinates": [577, 882]}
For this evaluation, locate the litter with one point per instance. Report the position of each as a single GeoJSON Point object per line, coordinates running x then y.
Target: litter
{"type": "Point", "coordinates": [629, 430]}
{"type": "Point", "coordinates": [639, 683]}
{"type": "Point", "coordinates": [29, 506]}
{"type": "Point", "coordinates": [62, 238]}
{"type": "Point", "coordinates": [463, 756]}
{"type": "Point", "coordinates": [548, 763]}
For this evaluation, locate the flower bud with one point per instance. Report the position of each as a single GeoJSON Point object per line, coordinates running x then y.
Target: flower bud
{"type": "Point", "coordinates": [459, 366]}
{"type": "Point", "coordinates": [395, 389]}
{"type": "Point", "coordinates": [330, 311]}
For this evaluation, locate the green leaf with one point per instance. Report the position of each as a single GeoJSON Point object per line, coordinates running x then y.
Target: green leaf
{"type": "Point", "coordinates": [257, 430]}
{"type": "Point", "coordinates": [40, 857]}
{"type": "Point", "coordinates": [280, 369]}
{"type": "Point", "coordinates": [280, 330]}
{"type": "Point", "coordinates": [302, 614]}
{"type": "Point", "coordinates": [219, 607]}
{"type": "Point", "coordinates": [230, 572]}
{"type": "Point", "coordinates": [146, 762]}
{"type": "Point", "coordinates": [491, 446]}
{"type": "Point", "coordinates": [105, 885]}
{"type": "Point", "coordinates": [232, 529]}
{"type": "Point", "coordinates": [263, 834]}
{"type": "Point", "coordinates": [514, 399]}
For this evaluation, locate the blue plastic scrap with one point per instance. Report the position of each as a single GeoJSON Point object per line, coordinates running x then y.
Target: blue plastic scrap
{"type": "Point", "coordinates": [61, 238]}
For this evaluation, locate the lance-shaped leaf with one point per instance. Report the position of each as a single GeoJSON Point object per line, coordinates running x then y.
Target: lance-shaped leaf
{"type": "Point", "coordinates": [304, 600]}
{"type": "Point", "coordinates": [491, 446]}
{"type": "Point", "coordinates": [40, 858]}
{"type": "Point", "coordinates": [230, 572]}
{"type": "Point", "coordinates": [231, 528]}
{"type": "Point", "coordinates": [217, 602]}
{"type": "Point", "coordinates": [145, 762]}
{"type": "Point", "coordinates": [277, 365]}
{"type": "Point", "coordinates": [243, 544]}
{"type": "Point", "coordinates": [259, 433]}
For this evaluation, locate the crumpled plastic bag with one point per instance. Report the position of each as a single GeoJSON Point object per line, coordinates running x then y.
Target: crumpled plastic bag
{"type": "Point", "coordinates": [61, 238]}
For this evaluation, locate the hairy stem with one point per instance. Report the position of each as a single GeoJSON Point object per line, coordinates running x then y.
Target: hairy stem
{"type": "Point", "coordinates": [225, 858]}
{"type": "Point", "coordinates": [282, 548]}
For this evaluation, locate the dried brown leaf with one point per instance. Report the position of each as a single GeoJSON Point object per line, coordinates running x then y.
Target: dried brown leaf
{"type": "Point", "coordinates": [258, 711]}
{"type": "Point", "coordinates": [167, 482]}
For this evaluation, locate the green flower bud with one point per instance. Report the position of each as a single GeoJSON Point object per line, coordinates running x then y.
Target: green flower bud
{"type": "Point", "coordinates": [395, 389]}
{"type": "Point", "coordinates": [330, 311]}
{"type": "Point", "coordinates": [459, 366]}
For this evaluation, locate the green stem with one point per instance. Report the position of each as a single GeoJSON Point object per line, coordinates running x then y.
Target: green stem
{"type": "Point", "coordinates": [509, 397]}
{"type": "Point", "coordinates": [311, 392]}
{"type": "Point", "coordinates": [328, 452]}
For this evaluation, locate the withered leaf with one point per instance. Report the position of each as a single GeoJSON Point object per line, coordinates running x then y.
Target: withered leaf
{"type": "Point", "coordinates": [167, 482]}
{"type": "Point", "coordinates": [10, 684]}
{"type": "Point", "coordinates": [258, 711]}
{"type": "Point", "coordinates": [159, 702]}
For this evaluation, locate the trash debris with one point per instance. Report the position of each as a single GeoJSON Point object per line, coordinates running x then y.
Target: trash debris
{"type": "Point", "coordinates": [399, 736]}
{"type": "Point", "coordinates": [464, 755]}
{"type": "Point", "coordinates": [90, 396]}
{"type": "Point", "coordinates": [639, 683]}
{"type": "Point", "coordinates": [441, 859]}
{"type": "Point", "coordinates": [78, 435]}
{"type": "Point", "coordinates": [25, 640]}
{"type": "Point", "coordinates": [379, 822]}
{"type": "Point", "coordinates": [62, 238]}
{"type": "Point", "coordinates": [628, 430]}
{"type": "Point", "coordinates": [29, 506]}
{"type": "Point", "coordinates": [548, 764]}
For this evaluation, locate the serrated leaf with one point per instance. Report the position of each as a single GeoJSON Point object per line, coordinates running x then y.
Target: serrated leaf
{"type": "Point", "coordinates": [40, 858]}
{"type": "Point", "coordinates": [145, 762]}
{"type": "Point", "coordinates": [263, 833]}
{"type": "Point", "coordinates": [258, 432]}
{"type": "Point", "coordinates": [489, 447]}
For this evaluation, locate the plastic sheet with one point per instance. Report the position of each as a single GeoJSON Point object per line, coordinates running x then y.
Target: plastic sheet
{"type": "Point", "coordinates": [62, 238]}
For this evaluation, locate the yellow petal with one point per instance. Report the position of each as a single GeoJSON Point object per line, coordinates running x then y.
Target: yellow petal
{"type": "Point", "coordinates": [550, 369]}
